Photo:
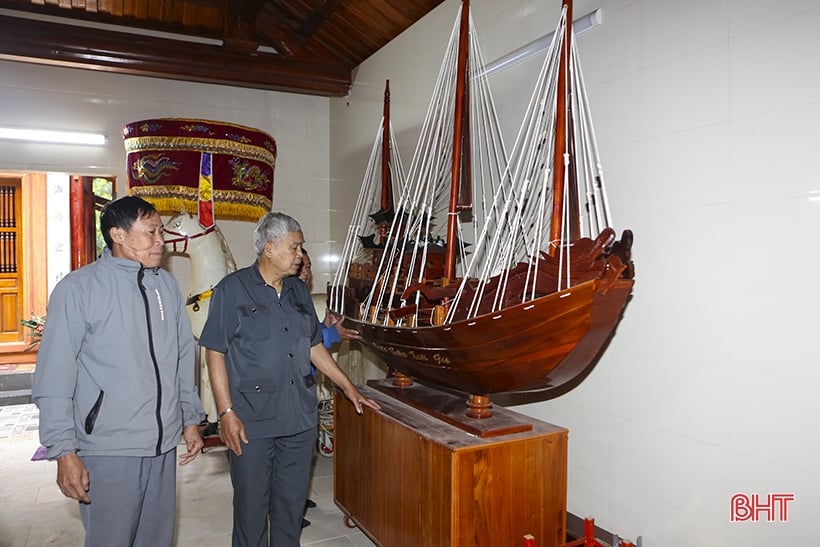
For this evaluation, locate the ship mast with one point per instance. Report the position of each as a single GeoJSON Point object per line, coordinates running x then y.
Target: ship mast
{"type": "Point", "coordinates": [561, 122]}
{"type": "Point", "coordinates": [479, 405]}
{"type": "Point", "coordinates": [387, 186]}
{"type": "Point", "coordinates": [460, 151]}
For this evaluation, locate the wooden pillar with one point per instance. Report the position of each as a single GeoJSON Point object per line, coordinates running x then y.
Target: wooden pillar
{"type": "Point", "coordinates": [83, 225]}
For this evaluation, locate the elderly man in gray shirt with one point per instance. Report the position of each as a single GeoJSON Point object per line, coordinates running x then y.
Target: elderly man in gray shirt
{"type": "Point", "coordinates": [261, 336]}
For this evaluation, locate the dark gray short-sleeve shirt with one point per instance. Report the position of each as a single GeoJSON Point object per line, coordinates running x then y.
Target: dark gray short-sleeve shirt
{"type": "Point", "coordinates": [266, 338]}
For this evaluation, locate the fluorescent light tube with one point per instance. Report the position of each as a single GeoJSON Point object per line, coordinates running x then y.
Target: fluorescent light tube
{"type": "Point", "coordinates": [52, 136]}
{"type": "Point", "coordinates": [580, 25]}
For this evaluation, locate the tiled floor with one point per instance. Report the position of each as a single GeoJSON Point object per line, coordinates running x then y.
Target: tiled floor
{"type": "Point", "coordinates": [33, 512]}
{"type": "Point", "coordinates": [10, 368]}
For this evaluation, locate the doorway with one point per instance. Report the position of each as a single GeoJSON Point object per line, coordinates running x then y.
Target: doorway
{"type": "Point", "coordinates": [48, 226]}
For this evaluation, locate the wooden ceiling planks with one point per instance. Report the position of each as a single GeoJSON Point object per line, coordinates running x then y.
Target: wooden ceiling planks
{"type": "Point", "coordinates": [319, 17]}
{"type": "Point", "coordinates": [111, 7]}
{"type": "Point", "coordinates": [317, 43]}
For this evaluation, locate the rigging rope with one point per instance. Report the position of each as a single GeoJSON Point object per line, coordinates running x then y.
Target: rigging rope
{"type": "Point", "coordinates": [508, 218]}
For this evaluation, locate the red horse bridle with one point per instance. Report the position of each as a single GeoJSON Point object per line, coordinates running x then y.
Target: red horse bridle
{"type": "Point", "coordinates": [184, 237]}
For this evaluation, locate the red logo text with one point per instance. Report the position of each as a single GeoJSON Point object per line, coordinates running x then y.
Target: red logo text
{"type": "Point", "coordinates": [755, 508]}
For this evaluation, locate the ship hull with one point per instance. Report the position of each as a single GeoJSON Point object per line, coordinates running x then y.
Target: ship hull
{"type": "Point", "coordinates": [545, 343]}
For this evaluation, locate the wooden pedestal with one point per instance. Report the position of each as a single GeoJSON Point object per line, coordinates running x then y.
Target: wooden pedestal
{"type": "Point", "coordinates": [407, 479]}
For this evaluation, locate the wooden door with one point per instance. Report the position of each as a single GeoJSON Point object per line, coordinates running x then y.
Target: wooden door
{"type": "Point", "coordinates": [11, 245]}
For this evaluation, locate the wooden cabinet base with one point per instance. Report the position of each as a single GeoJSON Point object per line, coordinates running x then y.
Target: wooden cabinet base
{"type": "Point", "coordinates": [410, 480]}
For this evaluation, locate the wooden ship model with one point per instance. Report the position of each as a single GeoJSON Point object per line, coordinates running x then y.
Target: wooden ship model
{"type": "Point", "coordinates": [482, 270]}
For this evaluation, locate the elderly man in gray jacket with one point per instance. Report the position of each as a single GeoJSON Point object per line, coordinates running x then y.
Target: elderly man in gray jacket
{"type": "Point", "coordinates": [114, 383]}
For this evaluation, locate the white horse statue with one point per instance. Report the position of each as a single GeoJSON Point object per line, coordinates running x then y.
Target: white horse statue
{"type": "Point", "coordinates": [211, 260]}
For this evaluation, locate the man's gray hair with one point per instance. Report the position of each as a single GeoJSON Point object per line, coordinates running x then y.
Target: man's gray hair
{"type": "Point", "coordinates": [271, 227]}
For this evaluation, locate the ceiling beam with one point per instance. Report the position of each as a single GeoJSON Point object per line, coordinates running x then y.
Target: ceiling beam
{"type": "Point", "coordinates": [279, 28]}
{"type": "Point", "coordinates": [240, 23]}
{"type": "Point", "coordinates": [75, 46]}
{"type": "Point", "coordinates": [318, 18]}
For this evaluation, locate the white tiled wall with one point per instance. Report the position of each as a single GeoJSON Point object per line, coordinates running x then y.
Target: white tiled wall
{"type": "Point", "coordinates": [707, 114]}
{"type": "Point", "coordinates": [58, 228]}
{"type": "Point", "coordinates": [83, 100]}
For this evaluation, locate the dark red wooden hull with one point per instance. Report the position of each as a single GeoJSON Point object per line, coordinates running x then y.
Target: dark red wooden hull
{"type": "Point", "coordinates": [544, 343]}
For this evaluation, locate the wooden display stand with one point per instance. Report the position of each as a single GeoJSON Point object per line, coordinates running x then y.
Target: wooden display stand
{"type": "Point", "coordinates": [408, 479]}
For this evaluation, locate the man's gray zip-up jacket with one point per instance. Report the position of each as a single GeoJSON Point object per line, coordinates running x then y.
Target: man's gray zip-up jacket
{"type": "Point", "coordinates": [115, 368]}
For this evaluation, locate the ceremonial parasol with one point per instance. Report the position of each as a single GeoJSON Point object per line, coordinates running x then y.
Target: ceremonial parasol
{"type": "Point", "coordinates": [213, 169]}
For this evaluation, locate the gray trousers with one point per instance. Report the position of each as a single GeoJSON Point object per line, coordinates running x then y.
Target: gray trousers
{"type": "Point", "coordinates": [133, 501]}
{"type": "Point", "coordinates": [270, 482]}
